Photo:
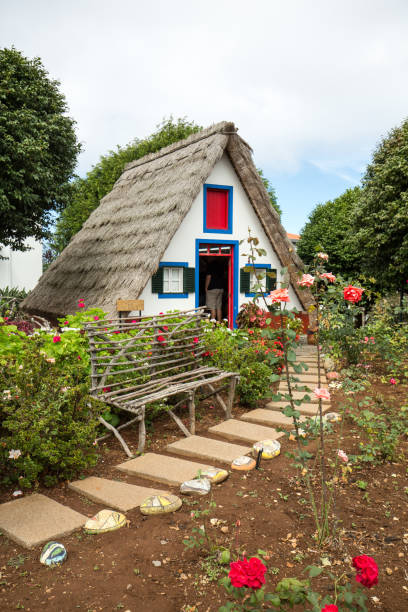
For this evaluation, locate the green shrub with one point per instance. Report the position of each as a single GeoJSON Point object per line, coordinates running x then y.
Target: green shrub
{"type": "Point", "coordinates": [46, 419]}
{"type": "Point", "coordinates": [247, 352]}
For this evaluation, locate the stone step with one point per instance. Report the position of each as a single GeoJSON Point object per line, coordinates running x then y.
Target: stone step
{"type": "Point", "coordinates": [36, 519]}
{"type": "Point", "coordinates": [208, 449]}
{"type": "Point", "coordinates": [298, 395]}
{"type": "Point", "coordinates": [306, 409]}
{"type": "Point", "coordinates": [305, 378]}
{"type": "Point", "coordinates": [233, 429]}
{"type": "Point", "coordinates": [168, 470]}
{"type": "Point", "coordinates": [308, 371]}
{"type": "Point", "coordinates": [112, 494]}
{"type": "Point", "coordinates": [269, 417]}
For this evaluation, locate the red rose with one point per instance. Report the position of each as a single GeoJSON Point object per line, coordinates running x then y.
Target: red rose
{"type": "Point", "coordinates": [249, 574]}
{"type": "Point", "coordinates": [330, 608]}
{"type": "Point", "coordinates": [352, 294]}
{"type": "Point", "coordinates": [367, 570]}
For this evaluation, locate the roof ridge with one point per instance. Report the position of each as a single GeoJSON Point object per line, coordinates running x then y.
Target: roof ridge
{"type": "Point", "coordinates": [222, 127]}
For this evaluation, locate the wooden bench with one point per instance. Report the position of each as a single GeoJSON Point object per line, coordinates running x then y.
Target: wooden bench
{"type": "Point", "coordinates": [149, 359]}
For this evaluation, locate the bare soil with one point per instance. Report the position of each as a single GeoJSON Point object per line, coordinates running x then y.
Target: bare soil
{"type": "Point", "coordinates": [114, 571]}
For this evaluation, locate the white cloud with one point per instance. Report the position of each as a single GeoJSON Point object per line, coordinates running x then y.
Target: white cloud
{"type": "Point", "coordinates": [315, 82]}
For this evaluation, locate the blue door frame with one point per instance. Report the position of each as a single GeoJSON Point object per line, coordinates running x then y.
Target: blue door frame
{"type": "Point", "coordinates": [235, 261]}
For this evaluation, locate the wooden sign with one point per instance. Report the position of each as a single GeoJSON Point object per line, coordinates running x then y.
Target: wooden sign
{"type": "Point", "coordinates": [129, 305]}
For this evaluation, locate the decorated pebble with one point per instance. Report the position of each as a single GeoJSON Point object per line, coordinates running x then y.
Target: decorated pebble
{"type": "Point", "coordinates": [200, 486]}
{"type": "Point", "coordinates": [214, 475]}
{"type": "Point", "coordinates": [302, 434]}
{"type": "Point", "coordinates": [243, 463]}
{"type": "Point", "coordinates": [160, 504]}
{"type": "Point", "coordinates": [332, 417]}
{"type": "Point", "coordinates": [105, 520]}
{"type": "Point", "coordinates": [270, 448]}
{"type": "Point", "coordinates": [53, 553]}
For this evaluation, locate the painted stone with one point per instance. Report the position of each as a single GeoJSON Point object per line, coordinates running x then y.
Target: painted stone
{"type": "Point", "coordinates": [270, 448]}
{"type": "Point", "coordinates": [160, 504]}
{"type": "Point", "coordinates": [302, 434]}
{"type": "Point", "coordinates": [200, 486]}
{"type": "Point", "coordinates": [105, 520]}
{"type": "Point", "coordinates": [53, 553]}
{"type": "Point", "coordinates": [214, 475]}
{"type": "Point", "coordinates": [332, 417]}
{"type": "Point", "coordinates": [243, 463]}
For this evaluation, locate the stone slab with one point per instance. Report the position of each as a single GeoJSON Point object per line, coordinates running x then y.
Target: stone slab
{"type": "Point", "coordinates": [112, 494]}
{"type": "Point", "coordinates": [306, 409]}
{"type": "Point", "coordinates": [298, 395]}
{"type": "Point", "coordinates": [233, 429]}
{"type": "Point", "coordinates": [269, 417]}
{"type": "Point", "coordinates": [36, 519]}
{"type": "Point", "coordinates": [208, 449]}
{"type": "Point", "coordinates": [309, 379]}
{"type": "Point", "coordinates": [168, 470]}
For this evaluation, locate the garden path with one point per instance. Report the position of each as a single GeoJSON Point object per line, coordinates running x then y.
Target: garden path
{"type": "Point", "coordinates": [50, 520]}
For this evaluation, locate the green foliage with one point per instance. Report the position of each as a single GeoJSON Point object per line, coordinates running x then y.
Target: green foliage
{"type": "Point", "coordinates": [383, 431]}
{"type": "Point", "coordinates": [45, 417]}
{"type": "Point", "coordinates": [381, 216]}
{"type": "Point", "coordinates": [271, 192]}
{"type": "Point", "coordinates": [86, 193]}
{"type": "Point", "coordinates": [10, 298]}
{"type": "Point", "coordinates": [248, 353]}
{"type": "Point", "coordinates": [38, 148]}
{"type": "Point", "coordinates": [328, 229]}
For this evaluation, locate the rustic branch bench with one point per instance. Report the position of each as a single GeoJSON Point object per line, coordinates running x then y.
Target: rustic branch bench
{"type": "Point", "coordinates": [148, 359]}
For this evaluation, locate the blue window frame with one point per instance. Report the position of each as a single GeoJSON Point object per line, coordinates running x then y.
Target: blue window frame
{"type": "Point", "coordinates": [228, 229]}
{"type": "Point", "coordinates": [261, 267]}
{"type": "Point", "coordinates": [173, 264]}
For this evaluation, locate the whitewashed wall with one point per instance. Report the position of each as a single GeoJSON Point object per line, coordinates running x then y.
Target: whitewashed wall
{"type": "Point", "coordinates": [21, 269]}
{"type": "Point", "coordinates": [182, 246]}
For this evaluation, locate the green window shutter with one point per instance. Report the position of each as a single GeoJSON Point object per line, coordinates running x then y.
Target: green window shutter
{"type": "Point", "coordinates": [157, 281]}
{"type": "Point", "coordinates": [189, 280]}
{"type": "Point", "coordinates": [244, 280]}
{"type": "Point", "coordinates": [270, 280]}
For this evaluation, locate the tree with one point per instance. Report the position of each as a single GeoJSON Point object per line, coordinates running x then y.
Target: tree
{"type": "Point", "coordinates": [328, 229]}
{"type": "Point", "coordinates": [271, 192]}
{"type": "Point", "coordinates": [86, 193]}
{"type": "Point", "coordinates": [380, 218]}
{"type": "Point", "coordinates": [38, 148]}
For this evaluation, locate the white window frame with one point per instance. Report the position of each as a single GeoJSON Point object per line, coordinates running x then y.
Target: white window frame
{"type": "Point", "coordinates": [173, 279]}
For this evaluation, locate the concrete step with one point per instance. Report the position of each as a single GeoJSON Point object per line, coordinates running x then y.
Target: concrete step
{"type": "Point", "coordinates": [168, 470]}
{"type": "Point", "coordinates": [308, 378]}
{"type": "Point", "coordinates": [270, 418]}
{"type": "Point", "coordinates": [112, 494]}
{"type": "Point", "coordinates": [297, 395]}
{"type": "Point", "coordinates": [35, 519]}
{"type": "Point", "coordinates": [233, 429]}
{"type": "Point", "coordinates": [306, 409]}
{"type": "Point", "coordinates": [208, 449]}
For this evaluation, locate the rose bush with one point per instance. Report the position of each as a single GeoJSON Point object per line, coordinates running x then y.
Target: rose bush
{"type": "Point", "coordinates": [249, 574]}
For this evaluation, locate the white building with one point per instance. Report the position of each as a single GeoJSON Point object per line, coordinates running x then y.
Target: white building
{"type": "Point", "coordinates": [21, 269]}
{"type": "Point", "coordinates": [167, 217]}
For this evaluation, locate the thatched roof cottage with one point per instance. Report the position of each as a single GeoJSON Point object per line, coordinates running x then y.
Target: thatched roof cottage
{"type": "Point", "coordinates": [167, 217]}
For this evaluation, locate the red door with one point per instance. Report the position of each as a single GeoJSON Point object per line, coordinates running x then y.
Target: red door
{"type": "Point", "coordinates": [226, 251]}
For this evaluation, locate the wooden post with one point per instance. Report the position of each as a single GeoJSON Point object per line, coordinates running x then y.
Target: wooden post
{"type": "Point", "coordinates": [191, 410]}
{"type": "Point", "coordinates": [142, 431]}
{"type": "Point", "coordinates": [231, 394]}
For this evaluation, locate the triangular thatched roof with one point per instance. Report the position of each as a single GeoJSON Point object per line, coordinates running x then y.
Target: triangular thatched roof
{"type": "Point", "coordinates": [122, 242]}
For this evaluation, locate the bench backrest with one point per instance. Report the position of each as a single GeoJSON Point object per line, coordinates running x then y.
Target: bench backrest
{"type": "Point", "coordinates": [135, 352]}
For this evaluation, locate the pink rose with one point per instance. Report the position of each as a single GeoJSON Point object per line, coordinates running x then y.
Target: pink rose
{"type": "Point", "coordinates": [323, 256]}
{"type": "Point", "coordinates": [393, 381]}
{"type": "Point", "coordinates": [56, 339]}
{"type": "Point", "coordinates": [322, 394]}
{"type": "Point", "coordinates": [279, 295]}
{"type": "Point", "coordinates": [329, 276]}
{"type": "Point", "coordinates": [352, 294]}
{"type": "Point", "coordinates": [342, 455]}
{"type": "Point", "coordinates": [96, 318]}
{"type": "Point", "coordinates": [332, 375]}
{"type": "Point", "coordinates": [307, 280]}
{"type": "Point", "coordinates": [330, 608]}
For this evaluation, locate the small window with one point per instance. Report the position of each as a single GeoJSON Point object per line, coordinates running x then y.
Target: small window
{"type": "Point", "coordinates": [172, 280]}
{"type": "Point", "coordinates": [217, 209]}
{"type": "Point", "coordinates": [255, 279]}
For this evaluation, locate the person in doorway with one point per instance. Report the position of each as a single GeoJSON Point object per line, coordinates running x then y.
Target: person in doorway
{"type": "Point", "coordinates": [214, 288]}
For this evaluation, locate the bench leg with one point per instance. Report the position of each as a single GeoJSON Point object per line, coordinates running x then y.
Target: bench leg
{"type": "Point", "coordinates": [142, 431]}
{"type": "Point", "coordinates": [117, 435]}
{"type": "Point", "coordinates": [191, 410]}
{"type": "Point", "coordinates": [231, 394]}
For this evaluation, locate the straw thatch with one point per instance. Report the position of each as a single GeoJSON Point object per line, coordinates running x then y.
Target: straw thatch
{"type": "Point", "coordinates": [121, 244]}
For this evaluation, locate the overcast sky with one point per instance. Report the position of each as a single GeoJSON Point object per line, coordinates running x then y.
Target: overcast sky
{"type": "Point", "coordinates": [312, 85]}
